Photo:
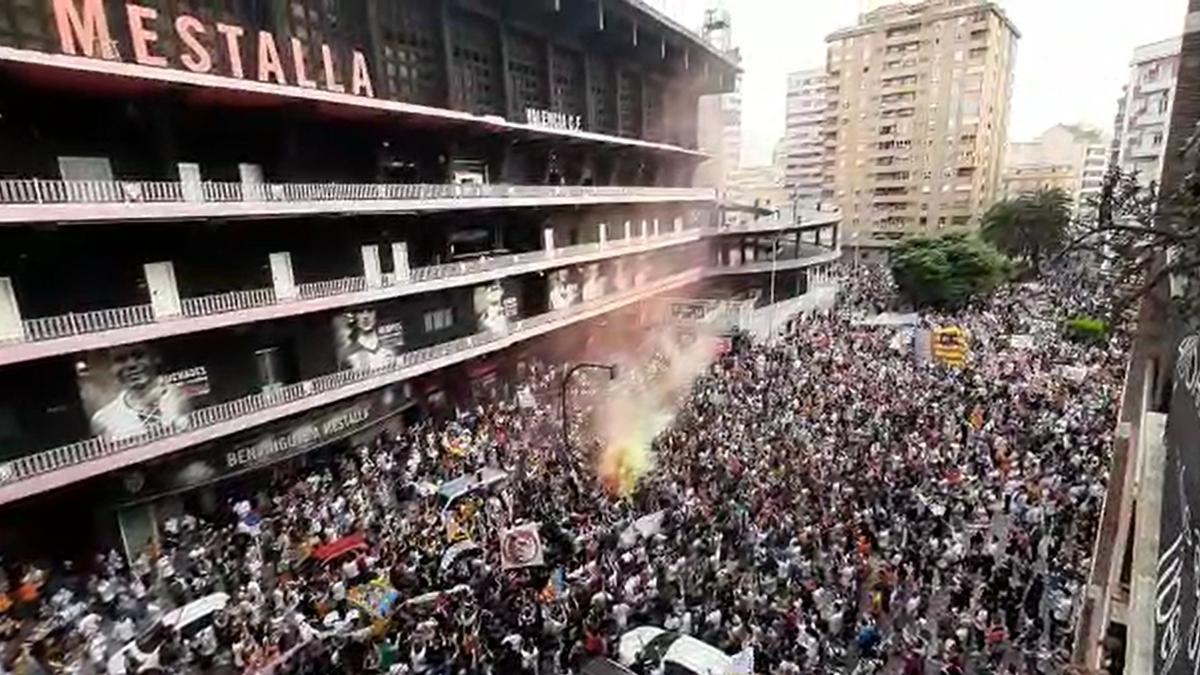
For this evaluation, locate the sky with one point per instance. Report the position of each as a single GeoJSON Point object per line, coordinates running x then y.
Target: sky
{"type": "Point", "coordinates": [1072, 57]}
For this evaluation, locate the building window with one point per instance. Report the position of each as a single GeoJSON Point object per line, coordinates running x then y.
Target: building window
{"type": "Point", "coordinates": [439, 319]}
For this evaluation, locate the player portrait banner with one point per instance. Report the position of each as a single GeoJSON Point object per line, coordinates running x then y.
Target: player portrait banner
{"type": "Point", "coordinates": [494, 308]}
{"type": "Point", "coordinates": [363, 342]}
{"type": "Point", "coordinates": [522, 547]}
{"type": "Point", "coordinates": [564, 289]}
{"type": "Point", "coordinates": [127, 391]}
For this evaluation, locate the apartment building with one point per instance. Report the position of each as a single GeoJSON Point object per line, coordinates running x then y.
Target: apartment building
{"type": "Point", "coordinates": [1071, 157]}
{"type": "Point", "coordinates": [803, 140]}
{"type": "Point", "coordinates": [917, 117]}
{"type": "Point", "coordinates": [1144, 112]}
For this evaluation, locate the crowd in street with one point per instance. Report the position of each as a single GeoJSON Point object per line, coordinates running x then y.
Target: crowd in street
{"type": "Point", "coordinates": [831, 500]}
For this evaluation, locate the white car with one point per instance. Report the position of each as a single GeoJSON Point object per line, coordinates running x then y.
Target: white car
{"type": "Point", "coordinates": [187, 621]}
{"type": "Point", "coordinates": [675, 652]}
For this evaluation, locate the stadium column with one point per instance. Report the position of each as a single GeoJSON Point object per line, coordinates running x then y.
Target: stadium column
{"type": "Point", "coordinates": [603, 229]}
{"type": "Point", "coordinates": [164, 291]}
{"type": "Point", "coordinates": [645, 229]}
{"type": "Point", "coordinates": [548, 239]}
{"type": "Point", "coordinates": [628, 230]}
{"type": "Point", "coordinates": [678, 223]}
{"type": "Point", "coordinates": [282, 278]}
{"type": "Point", "coordinates": [11, 328]}
{"type": "Point", "coordinates": [400, 268]}
{"type": "Point", "coordinates": [656, 226]}
{"type": "Point", "coordinates": [372, 269]}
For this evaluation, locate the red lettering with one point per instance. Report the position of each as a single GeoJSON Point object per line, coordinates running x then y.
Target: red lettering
{"type": "Point", "coordinates": [270, 66]}
{"type": "Point", "coordinates": [302, 78]}
{"type": "Point", "coordinates": [89, 32]}
{"type": "Point", "coordinates": [197, 60]}
{"type": "Point", "coordinates": [143, 37]}
{"type": "Point", "coordinates": [331, 82]}
{"type": "Point", "coordinates": [360, 81]}
{"type": "Point", "coordinates": [233, 45]}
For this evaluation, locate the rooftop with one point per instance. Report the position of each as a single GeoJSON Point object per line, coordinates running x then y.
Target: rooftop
{"type": "Point", "coordinates": [900, 13]}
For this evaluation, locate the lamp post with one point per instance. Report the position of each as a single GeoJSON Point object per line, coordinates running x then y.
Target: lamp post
{"type": "Point", "coordinates": [566, 383]}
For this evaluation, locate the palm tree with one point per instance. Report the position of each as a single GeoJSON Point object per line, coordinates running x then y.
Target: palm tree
{"type": "Point", "coordinates": [1030, 226]}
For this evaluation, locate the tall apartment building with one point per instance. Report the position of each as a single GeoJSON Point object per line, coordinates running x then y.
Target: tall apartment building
{"type": "Point", "coordinates": [221, 257]}
{"type": "Point", "coordinates": [1144, 111]}
{"type": "Point", "coordinates": [1071, 157]}
{"type": "Point", "coordinates": [803, 140]}
{"type": "Point", "coordinates": [917, 117]}
{"type": "Point", "coordinates": [720, 115]}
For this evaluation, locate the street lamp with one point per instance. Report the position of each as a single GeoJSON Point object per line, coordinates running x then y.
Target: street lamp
{"type": "Point", "coordinates": [566, 383]}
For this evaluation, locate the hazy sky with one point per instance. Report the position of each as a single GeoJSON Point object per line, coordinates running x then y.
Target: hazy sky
{"type": "Point", "coordinates": [1071, 60]}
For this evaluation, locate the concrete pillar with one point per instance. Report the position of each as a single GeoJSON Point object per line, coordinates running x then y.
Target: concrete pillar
{"type": "Point", "coordinates": [679, 223]}
{"type": "Point", "coordinates": [603, 234]}
{"type": "Point", "coordinates": [645, 228]}
{"type": "Point", "coordinates": [548, 239]}
{"type": "Point", "coordinates": [628, 230]}
{"type": "Point", "coordinates": [656, 230]}
{"type": "Point", "coordinates": [164, 291]}
{"type": "Point", "coordinates": [190, 182]}
{"type": "Point", "coordinates": [11, 328]}
{"type": "Point", "coordinates": [400, 267]}
{"type": "Point", "coordinates": [282, 277]}
{"type": "Point", "coordinates": [372, 269]}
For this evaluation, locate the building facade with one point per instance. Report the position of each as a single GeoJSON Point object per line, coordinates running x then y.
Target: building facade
{"type": "Point", "coordinates": [1144, 113]}
{"type": "Point", "coordinates": [720, 115]}
{"type": "Point", "coordinates": [803, 140]}
{"type": "Point", "coordinates": [917, 117]}
{"type": "Point", "coordinates": [230, 237]}
{"type": "Point", "coordinates": [1069, 157]}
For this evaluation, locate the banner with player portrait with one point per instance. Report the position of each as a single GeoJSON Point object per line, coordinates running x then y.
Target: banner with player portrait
{"type": "Point", "coordinates": [127, 392]}
{"type": "Point", "coordinates": [364, 341]}
{"type": "Point", "coordinates": [564, 289]}
{"type": "Point", "coordinates": [494, 307]}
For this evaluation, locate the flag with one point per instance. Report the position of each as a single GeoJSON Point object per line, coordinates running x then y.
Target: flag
{"type": "Point", "coordinates": [522, 547]}
{"type": "Point", "coordinates": [743, 662]}
{"type": "Point", "coordinates": [555, 585]}
{"type": "Point", "coordinates": [977, 418]}
{"type": "Point", "coordinates": [950, 345]}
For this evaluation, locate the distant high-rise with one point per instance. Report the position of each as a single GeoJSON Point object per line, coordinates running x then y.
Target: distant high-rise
{"type": "Point", "coordinates": [1144, 112]}
{"type": "Point", "coordinates": [720, 115]}
{"type": "Point", "coordinates": [803, 141]}
{"type": "Point", "coordinates": [1071, 157]}
{"type": "Point", "coordinates": [917, 117]}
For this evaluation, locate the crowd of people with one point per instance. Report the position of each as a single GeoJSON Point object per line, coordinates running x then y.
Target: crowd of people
{"type": "Point", "coordinates": [831, 500]}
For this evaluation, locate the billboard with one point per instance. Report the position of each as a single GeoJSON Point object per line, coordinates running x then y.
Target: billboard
{"type": "Point", "coordinates": [265, 445]}
{"type": "Point", "coordinates": [594, 283]}
{"type": "Point", "coordinates": [363, 342]}
{"type": "Point", "coordinates": [1177, 590]}
{"type": "Point", "coordinates": [126, 392]}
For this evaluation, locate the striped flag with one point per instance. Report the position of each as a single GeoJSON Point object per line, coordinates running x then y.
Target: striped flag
{"type": "Point", "coordinates": [950, 345]}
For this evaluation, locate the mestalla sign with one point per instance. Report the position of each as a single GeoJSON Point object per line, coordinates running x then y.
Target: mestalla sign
{"type": "Point", "coordinates": [1177, 591]}
{"type": "Point", "coordinates": [83, 29]}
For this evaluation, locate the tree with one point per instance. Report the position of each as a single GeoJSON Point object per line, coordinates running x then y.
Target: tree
{"type": "Point", "coordinates": [947, 272]}
{"type": "Point", "coordinates": [1029, 226]}
{"type": "Point", "coordinates": [1142, 238]}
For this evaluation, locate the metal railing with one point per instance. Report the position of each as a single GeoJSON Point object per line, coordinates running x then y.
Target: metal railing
{"type": "Point", "coordinates": [61, 457]}
{"type": "Point", "coordinates": [81, 323]}
{"type": "Point", "coordinates": [40, 191]}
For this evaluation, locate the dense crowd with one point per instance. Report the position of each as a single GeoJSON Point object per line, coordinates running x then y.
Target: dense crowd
{"type": "Point", "coordinates": [831, 500]}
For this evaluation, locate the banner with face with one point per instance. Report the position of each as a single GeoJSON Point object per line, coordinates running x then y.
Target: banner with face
{"type": "Point", "coordinates": [363, 342]}
{"type": "Point", "coordinates": [125, 392]}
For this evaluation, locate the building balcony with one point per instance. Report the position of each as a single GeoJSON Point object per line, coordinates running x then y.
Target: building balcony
{"type": "Point", "coordinates": [50, 469]}
{"type": "Point", "coordinates": [69, 333]}
{"type": "Point", "coordinates": [806, 218]}
{"type": "Point", "coordinates": [810, 256]}
{"type": "Point", "coordinates": [36, 200]}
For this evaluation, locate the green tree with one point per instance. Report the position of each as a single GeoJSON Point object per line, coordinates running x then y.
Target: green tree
{"type": "Point", "coordinates": [946, 272]}
{"type": "Point", "coordinates": [1030, 226]}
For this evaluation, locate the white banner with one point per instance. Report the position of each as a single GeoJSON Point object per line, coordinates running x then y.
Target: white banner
{"type": "Point", "coordinates": [522, 547]}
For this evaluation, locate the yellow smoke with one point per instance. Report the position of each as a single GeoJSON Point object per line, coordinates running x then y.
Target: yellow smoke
{"type": "Point", "coordinates": [640, 406]}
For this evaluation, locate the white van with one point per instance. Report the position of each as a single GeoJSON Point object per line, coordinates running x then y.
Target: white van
{"type": "Point", "coordinates": [675, 652]}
